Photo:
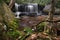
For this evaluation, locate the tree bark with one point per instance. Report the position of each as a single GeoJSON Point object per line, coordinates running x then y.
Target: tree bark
{"type": "Point", "coordinates": [12, 2]}
{"type": "Point", "coordinates": [51, 13]}
{"type": "Point", "coordinates": [52, 9]}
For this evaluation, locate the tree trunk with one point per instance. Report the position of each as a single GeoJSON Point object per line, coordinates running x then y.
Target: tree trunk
{"type": "Point", "coordinates": [12, 2]}
{"type": "Point", "coordinates": [52, 11]}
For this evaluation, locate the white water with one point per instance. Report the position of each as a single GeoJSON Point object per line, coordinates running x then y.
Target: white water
{"type": "Point", "coordinates": [40, 13]}
{"type": "Point", "coordinates": [17, 14]}
{"type": "Point", "coordinates": [16, 6]}
{"type": "Point", "coordinates": [30, 8]}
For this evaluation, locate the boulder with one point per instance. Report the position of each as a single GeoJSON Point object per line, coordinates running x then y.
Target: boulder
{"type": "Point", "coordinates": [48, 8]}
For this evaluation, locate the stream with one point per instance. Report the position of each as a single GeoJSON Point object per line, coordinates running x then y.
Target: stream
{"type": "Point", "coordinates": [31, 14]}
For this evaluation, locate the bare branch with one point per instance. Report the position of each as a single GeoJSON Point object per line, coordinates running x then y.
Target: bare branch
{"type": "Point", "coordinates": [12, 2]}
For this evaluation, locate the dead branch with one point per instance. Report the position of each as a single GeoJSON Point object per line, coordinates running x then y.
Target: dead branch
{"type": "Point", "coordinates": [12, 2]}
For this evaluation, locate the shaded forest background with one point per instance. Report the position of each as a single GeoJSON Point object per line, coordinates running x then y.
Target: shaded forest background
{"type": "Point", "coordinates": [41, 2]}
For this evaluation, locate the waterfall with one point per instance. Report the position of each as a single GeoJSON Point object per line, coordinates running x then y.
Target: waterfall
{"type": "Point", "coordinates": [17, 14]}
{"type": "Point", "coordinates": [36, 8]}
{"type": "Point", "coordinates": [27, 9]}
{"type": "Point", "coordinates": [30, 7]}
{"type": "Point", "coordinates": [16, 6]}
{"type": "Point", "coordinates": [40, 13]}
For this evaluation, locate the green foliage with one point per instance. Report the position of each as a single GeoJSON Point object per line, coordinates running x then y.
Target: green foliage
{"type": "Point", "coordinates": [13, 34]}
{"type": "Point", "coordinates": [7, 1]}
{"type": "Point", "coordinates": [0, 1]}
{"type": "Point", "coordinates": [13, 25]}
{"type": "Point", "coordinates": [19, 34]}
{"type": "Point", "coordinates": [40, 27]}
{"type": "Point", "coordinates": [28, 30]}
{"type": "Point", "coordinates": [58, 4]}
{"type": "Point", "coordinates": [19, 1]}
{"type": "Point", "coordinates": [44, 2]}
{"type": "Point", "coordinates": [41, 2]}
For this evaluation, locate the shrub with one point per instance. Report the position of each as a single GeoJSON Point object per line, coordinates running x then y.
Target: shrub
{"type": "Point", "coordinates": [40, 27]}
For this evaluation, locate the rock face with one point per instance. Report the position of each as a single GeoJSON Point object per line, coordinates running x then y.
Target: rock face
{"type": "Point", "coordinates": [48, 8]}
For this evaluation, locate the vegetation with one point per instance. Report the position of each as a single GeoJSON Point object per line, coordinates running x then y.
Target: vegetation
{"type": "Point", "coordinates": [9, 25]}
{"type": "Point", "coordinates": [41, 2]}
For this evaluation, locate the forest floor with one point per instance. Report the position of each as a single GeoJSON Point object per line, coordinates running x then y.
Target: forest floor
{"type": "Point", "coordinates": [27, 21]}
{"type": "Point", "coordinates": [32, 21]}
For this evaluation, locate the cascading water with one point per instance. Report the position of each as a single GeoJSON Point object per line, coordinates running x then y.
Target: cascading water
{"type": "Point", "coordinates": [17, 14]}
{"type": "Point", "coordinates": [40, 13]}
{"type": "Point", "coordinates": [27, 9]}
{"type": "Point", "coordinates": [33, 9]}
{"type": "Point", "coordinates": [36, 7]}
{"type": "Point", "coordinates": [30, 8]}
{"type": "Point", "coordinates": [16, 6]}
